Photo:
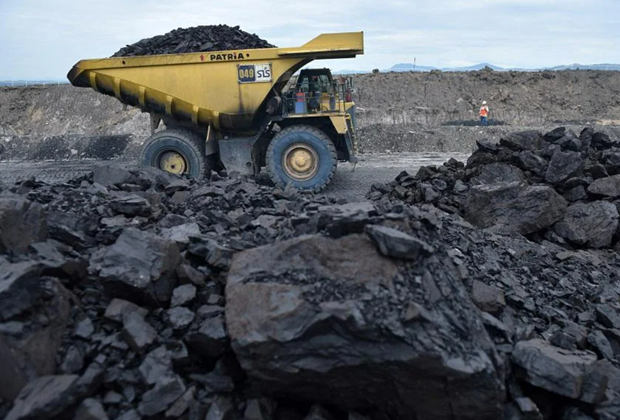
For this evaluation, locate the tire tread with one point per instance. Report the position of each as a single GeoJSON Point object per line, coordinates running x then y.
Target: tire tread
{"type": "Point", "coordinates": [191, 139]}
{"type": "Point", "coordinates": [271, 169]}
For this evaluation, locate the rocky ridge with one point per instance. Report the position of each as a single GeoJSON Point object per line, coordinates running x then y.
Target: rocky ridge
{"type": "Point", "coordinates": [138, 294]}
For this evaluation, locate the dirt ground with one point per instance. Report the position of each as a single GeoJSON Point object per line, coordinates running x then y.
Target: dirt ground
{"type": "Point", "coordinates": [351, 182]}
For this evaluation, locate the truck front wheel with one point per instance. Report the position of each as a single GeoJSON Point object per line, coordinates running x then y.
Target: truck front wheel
{"type": "Point", "coordinates": [302, 156]}
{"type": "Point", "coordinates": [177, 151]}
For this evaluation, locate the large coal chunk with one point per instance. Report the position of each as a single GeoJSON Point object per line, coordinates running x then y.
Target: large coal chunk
{"type": "Point", "coordinates": [562, 372]}
{"type": "Point", "coordinates": [139, 266]}
{"type": "Point", "coordinates": [196, 39]}
{"type": "Point", "coordinates": [524, 140]}
{"type": "Point", "coordinates": [35, 315]}
{"type": "Point", "coordinates": [166, 391]}
{"type": "Point", "coordinates": [530, 161]}
{"type": "Point", "coordinates": [22, 222]}
{"type": "Point", "coordinates": [606, 187]}
{"type": "Point", "coordinates": [19, 288]}
{"type": "Point", "coordinates": [68, 229]}
{"type": "Point", "coordinates": [592, 224]}
{"type": "Point", "coordinates": [564, 165]}
{"type": "Point", "coordinates": [515, 206]}
{"type": "Point", "coordinates": [494, 173]}
{"type": "Point", "coordinates": [44, 398]}
{"type": "Point", "coordinates": [334, 321]}
{"type": "Point", "coordinates": [397, 244]}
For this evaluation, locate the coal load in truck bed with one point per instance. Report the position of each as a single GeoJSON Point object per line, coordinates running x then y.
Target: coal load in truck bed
{"type": "Point", "coordinates": [196, 39]}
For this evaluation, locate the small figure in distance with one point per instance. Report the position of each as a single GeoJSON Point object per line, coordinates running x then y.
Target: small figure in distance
{"type": "Point", "coordinates": [484, 114]}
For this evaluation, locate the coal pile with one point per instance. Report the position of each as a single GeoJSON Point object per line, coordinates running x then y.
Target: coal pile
{"type": "Point", "coordinates": [142, 295]}
{"type": "Point", "coordinates": [197, 39]}
{"type": "Point", "coordinates": [559, 186]}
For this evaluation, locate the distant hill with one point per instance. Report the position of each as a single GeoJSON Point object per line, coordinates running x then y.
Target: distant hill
{"type": "Point", "coordinates": [350, 72]}
{"type": "Point", "coordinates": [403, 67]}
{"type": "Point", "coordinates": [410, 67]}
{"type": "Point", "coordinates": [614, 67]}
{"type": "Point", "coordinates": [31, 82]}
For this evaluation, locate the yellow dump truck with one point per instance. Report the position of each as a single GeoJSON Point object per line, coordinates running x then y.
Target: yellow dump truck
{"type": "Point", "coordinates": [240, 109]}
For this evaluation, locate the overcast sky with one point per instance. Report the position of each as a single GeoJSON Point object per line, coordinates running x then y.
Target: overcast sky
{"type": "Point", "coordinates": [42, 39]}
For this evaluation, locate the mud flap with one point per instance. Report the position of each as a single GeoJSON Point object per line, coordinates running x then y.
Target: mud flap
{"type": "Point", "coordinates": [236, 155]}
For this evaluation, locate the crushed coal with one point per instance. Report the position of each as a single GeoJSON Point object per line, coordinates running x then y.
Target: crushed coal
{"type": "Point", "coordinates": [466, 291]}
{"type": "Point", "coordinates": [196, 39]}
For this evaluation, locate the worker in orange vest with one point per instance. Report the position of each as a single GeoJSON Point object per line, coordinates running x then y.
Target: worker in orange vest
{"type": "Point", "coordinates": [484, 113]}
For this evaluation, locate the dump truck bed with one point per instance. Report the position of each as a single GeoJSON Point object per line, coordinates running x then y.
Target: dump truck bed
{"type": "Point", "coordinates": [225, 89]}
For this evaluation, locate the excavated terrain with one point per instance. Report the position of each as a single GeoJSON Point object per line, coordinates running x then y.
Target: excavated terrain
{"type": "Point", "coordinates": [396, 112]}
{"type": "Point", "coordinates": [480, 288]}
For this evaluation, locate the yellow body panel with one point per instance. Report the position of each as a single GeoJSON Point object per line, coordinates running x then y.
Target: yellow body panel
{"type": "Point", "coordinates": [205, 88]}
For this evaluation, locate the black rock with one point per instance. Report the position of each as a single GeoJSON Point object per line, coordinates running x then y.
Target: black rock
{"type": "Point", "coordinates": [213, 253]}
{"type": "Point", "coordinates": [556, 134]}
{"type": "Point", "coordinates": [22, 222]}
{"type": "Point", "coordinates": [181, 405]}
{"type": "Point", "coordinates": [84, 329]}
{"type": "Point", "coordinates": [586, 136]}
{"type": "Point", "coordinates": [522, 408]}
{"type": "Point", "coordinates": [183, 294]}
{"type": "Point", "coordinates": [137, 332]}
{"type": "Point", "coordinates": [499, 172]}
{"type": "Point", "coordinates": [606, 187]}
{"type": "Point", "coordinates": [608, 316]}
{"type": "Point", "coordinates": [530, 161]}
{"type": "Point", "coordinates": [139, 265]}
{"type": "Point", "coordinates": [179, 317]}
{"type": "Point", "coordinates": [564, 165]}
{"type": "Point", "coordinates": [222, 408]}
{"type": "Point", "coordinates": [259, 409]}
{"type": "Point", "coordinates": [601, 344]}
{"type": "Point", "coordinates": [486, 145]}
{"type": "Point", "coordinates": [157, 363]}
{"type": "Point", "coordinates": [132, 205]}
{"type": "Point", "coordinates": [119, 308]}
{"type": "Point", "coordinates": [556, 370]}
{"type": "Point", "coordinates": [211, 338]}
{"type": "Point", "coordinates": [516, 206]}
{"type": "Point", "coordinates": [487, 298]}
{"type": "Point", "coordinates": [90, 409]}
{"type": "Point", "coordinates": [73, 361]}
{"type": "Point", "coordinates": [20, 288]}
{"type": "Point", "coordinates": [129, 415]}
{"type": "Point", "coordinates": [525, 140]}
{"type": "Point", "coordinates": [337, 301]}
{"type": "Point", "coordinates": [592, 224]}
{"type": "Point", "coordinates": [397, 244]}
{"type": "Point", "coordinates": [44, 398]}
{"type": "Point", "coordinates": [601, 141]}
{"type": "Point", "coordinates": [166, 391]}
{"type": "Point", "coordinates": [109, 175]}
{"type": "Point", "coordinates": [69, 230]}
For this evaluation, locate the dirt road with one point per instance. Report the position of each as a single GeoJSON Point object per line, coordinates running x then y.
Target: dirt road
{"type": "Point", "coordinates": [349, 183]}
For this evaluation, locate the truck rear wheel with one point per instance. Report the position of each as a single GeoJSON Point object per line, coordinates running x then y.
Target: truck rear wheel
{"type": "Point", "coordinates": [177, 151]}
{"type": "Point", "coordinates": [302, 156]}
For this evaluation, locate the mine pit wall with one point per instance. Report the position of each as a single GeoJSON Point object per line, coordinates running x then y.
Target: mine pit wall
{"type": "Point", "coordinates": [515, 98]}
{"type": "Point", "coordinates": [396, 112]}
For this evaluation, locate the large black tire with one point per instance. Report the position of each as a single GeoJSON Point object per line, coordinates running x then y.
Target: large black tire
{"type": "Point", "coordinates": [186, 143]}
{"type": "Point", "coordinates": [317, 143]}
